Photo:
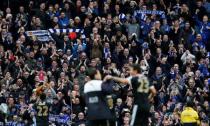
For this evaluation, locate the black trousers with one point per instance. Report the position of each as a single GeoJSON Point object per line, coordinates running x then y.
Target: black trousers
{"type": "Point", "coordinates": [140, 116]}
{"type": "Point", "coordinates": [100, 123]}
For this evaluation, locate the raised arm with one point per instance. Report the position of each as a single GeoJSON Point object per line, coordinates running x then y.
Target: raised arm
{"type": "Point", "coordinates": [117, 79]}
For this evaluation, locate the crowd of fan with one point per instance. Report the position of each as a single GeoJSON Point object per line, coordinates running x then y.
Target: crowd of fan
{"type": "Point", "coordinates": [173, 52]}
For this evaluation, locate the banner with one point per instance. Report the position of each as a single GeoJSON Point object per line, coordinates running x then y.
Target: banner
{"type": "Point", "coordinates": [60, 119]}
{"type": "Point", "coordinates": [41, 35]}
{"type": "Point", "coordinates": [141, 14]}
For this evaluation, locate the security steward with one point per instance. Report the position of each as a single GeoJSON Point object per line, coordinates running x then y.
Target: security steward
{"type": "Point", "coordinates": [189, 117]}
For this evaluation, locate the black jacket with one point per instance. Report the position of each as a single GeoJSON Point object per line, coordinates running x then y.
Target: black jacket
{"type": "Point", "coordinates": [95, 98]}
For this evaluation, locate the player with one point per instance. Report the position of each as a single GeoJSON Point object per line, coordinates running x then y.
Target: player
{"type": "Point", "coordinates": [143, 93]}
{"type": "Point", "coordinates": [95, 91]}
{"type": "Point", "coordinates": [42, 111]}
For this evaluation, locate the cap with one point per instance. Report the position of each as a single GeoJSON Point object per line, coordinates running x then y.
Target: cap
{"type": "Point", "coordinates": [39, 59]}
{"type": "Point", "coordinates": [60, 50]}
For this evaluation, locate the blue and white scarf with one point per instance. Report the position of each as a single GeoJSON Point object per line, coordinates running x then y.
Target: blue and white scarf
{"type": "Point", "coordinates": [45, 35]}
{"type": "Point", "coordinates": [79, 31]}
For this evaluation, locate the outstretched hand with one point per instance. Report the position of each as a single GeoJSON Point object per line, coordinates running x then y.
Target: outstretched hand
{"type": "Point", "coordinates": [108, 77]}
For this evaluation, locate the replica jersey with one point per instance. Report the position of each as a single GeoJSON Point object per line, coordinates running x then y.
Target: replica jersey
{"type": "Point", "coordinates": [42, 115]}
{"type": "Point", "coordinates": [95, 98]}
{"type": "Point", "coordinates": [141, 87]}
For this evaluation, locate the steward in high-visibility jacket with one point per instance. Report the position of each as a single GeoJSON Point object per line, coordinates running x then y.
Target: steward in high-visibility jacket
{"type": "Point", "coordinates": [189, 117]}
